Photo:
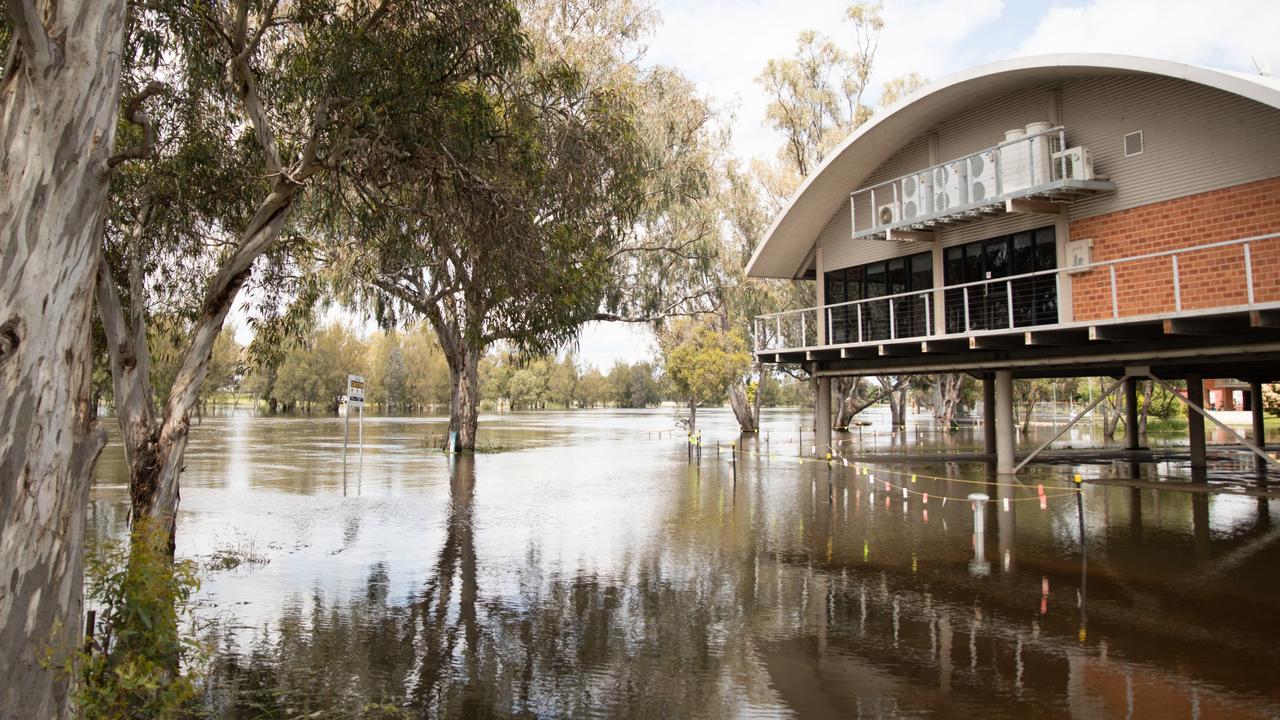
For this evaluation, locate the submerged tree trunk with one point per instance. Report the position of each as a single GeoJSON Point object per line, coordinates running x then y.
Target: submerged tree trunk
{"type": "Point", "coordinates": [947, 392]}
{"type": "Point", "coordinates": [60, 92]}
{"type": "Point", "coordinates": [848, 392]}
{"type": "Point", "coordinates": [464, 379]}
{"type": "Point", "coordinates": [1147, 390]}
{"type": "Point", "coordinates": [895, 392]}
{"type": "Point", "coordinates": [746, 406]}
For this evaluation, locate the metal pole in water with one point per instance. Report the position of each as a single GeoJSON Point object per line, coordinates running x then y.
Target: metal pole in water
{"type": "Point", "coordinates": [346, 432]}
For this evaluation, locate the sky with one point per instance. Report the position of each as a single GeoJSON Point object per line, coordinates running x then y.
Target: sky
{"type": "Point", "coordinates": [723, 45]}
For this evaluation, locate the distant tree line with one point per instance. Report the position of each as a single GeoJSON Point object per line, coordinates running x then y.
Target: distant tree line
{"type": "Point", "coordinates": [405, 372]}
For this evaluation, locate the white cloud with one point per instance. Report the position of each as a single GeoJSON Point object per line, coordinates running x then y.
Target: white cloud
{"type": "Point", "coordinates": [722, 46]}
{"type": "Point", "coordinates": [603, 343]}
{"type": "Point", "coordinates": [1229, 34]}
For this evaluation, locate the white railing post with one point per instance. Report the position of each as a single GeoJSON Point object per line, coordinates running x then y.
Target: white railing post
{"type": "Point", "coordinates": [804, 331]}
{"type": "Point", "coordinates": [966, 308]}
{"type": "Point", "coordinates": [1057, 294]}
{"type": "Point", "coordinates": [875, 217]}
{"type": "Point", "coordinates": [1008, 291]}
{"type": "Point", "coordinates": [1177, 285]}
{"type": "Point", "coordinates": [893, 325]}
{"type": "Point", "coordinates": [928, 316]}
{"type": "Point", "coordinates": [1248, 273]}
{"type": "Point", "coordinates": [859, 322]}
{"type": "Point", "coordinates": [830, 328]}
{"type": "Point", "coordinates": [1115, 299]}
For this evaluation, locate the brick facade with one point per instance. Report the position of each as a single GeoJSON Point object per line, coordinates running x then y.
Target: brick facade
{"type": "Point", "coordinates": [1209, 278]}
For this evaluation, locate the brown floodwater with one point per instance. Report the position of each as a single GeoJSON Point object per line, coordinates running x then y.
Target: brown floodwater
{"type": "Point", "coordinates": [591, 569]}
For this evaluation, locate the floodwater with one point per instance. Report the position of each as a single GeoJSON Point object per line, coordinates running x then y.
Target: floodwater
{"type": "Point", "coordinates": [591, 569]}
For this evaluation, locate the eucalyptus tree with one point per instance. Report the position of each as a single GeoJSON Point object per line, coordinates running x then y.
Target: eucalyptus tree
{"type": "Point", "coordinates": [575, 192]}
{"type": "Point", "coordinates": [59, 93]}
{"type": "Point", "coordinates": [269, 106]}
{"type": "Point", "coordinates": [503, 230]}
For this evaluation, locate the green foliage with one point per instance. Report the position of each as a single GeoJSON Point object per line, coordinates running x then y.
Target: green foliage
{"type": "Point", "coordinates": [1271, 398]}
{"type": "Point", "coordinates": [634, 385]}
{"type": "Point", "coordinates": [315, 373]}
{"type": "Point", "coordinates": [699, 362]}
{"type": "Point", "coordinates": [140, 664]}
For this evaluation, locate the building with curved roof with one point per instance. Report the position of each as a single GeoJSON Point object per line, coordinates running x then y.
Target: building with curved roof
{"type": "Point", "coordinates": [1074, 214]}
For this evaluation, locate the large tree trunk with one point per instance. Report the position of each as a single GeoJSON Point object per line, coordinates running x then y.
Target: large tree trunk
{"type": "Point", "coordinates": [60, 95]}
{"type": "Point", "coordinates": [895, 390]}
{"type": "Point", "coordinates": [848, 392]}
{"type": "Point", "coordinates": [155, 446]}
{"type": "Point", "coordinates": [746, 409]}
{"type": "Point", "coordinates": [464, 379]}
{"type": "Point", "coordinates": [947, 391]}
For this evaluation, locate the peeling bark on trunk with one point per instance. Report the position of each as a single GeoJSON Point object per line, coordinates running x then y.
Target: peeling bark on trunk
{"type": "Point", "coordinates": [848, 391]}
{"type": "Point", "coordinates": [464, 377]}
{"type": "Point", "coordinates": [57, 125]}
{"type": "Point", "coordinates": [746, 410]}
{"type": "Point", "coordinates": [947, 390]}
{"type": "Point", "coordinates": [1111, 416]}
{"type": "Point", "coordinates": [895, 389]}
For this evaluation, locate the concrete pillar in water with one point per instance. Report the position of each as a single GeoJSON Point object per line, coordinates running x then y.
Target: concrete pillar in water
{"type": "Point", "coordinates": [1005, 508]}
{"type": "Point", "coordinates": [988, 414]}
{"type": "Point", "coordinates": [978, 565]}
{"type": "Point", "coordinates": [1131, 413]}
{"type": "Point", "coordinates": [822, 417]}
{"type": "Point", "coordinates": [1004, 422]}
{"type": "Point", "coordinates": [1195, 421]}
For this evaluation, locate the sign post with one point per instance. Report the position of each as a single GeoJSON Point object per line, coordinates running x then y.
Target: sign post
{"type": "Point", "coordinates": [355, 400]}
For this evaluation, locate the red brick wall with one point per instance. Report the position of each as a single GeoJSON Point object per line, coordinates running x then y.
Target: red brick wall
{"type": "Point", "coordinates": [1209, 278]}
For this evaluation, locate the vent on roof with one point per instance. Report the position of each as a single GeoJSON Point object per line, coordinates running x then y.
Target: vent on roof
{"type": "Point", "coordinates": [1133, 143]}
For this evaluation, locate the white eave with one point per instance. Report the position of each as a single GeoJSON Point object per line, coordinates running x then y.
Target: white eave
{"type": "Point", "coordinates": [787, 248]}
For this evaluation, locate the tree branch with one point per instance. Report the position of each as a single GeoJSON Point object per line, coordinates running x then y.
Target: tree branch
{"type": "Point", "coordinates": [29, 28]}
{"type": "Point", "coordinates": [133, 110]}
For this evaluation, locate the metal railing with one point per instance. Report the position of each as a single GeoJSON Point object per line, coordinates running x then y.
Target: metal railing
{"type": "Point", "coordinates": [1018, 301]}
{"type": "Point", "coordinates": [1012, 169]}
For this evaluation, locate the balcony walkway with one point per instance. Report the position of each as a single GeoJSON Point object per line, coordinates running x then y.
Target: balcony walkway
{"type": "Point", "coordinates": [1237, 339]}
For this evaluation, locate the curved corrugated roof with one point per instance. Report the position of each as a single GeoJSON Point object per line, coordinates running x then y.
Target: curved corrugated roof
{"type": "Point", "coordinates": [787, 245]}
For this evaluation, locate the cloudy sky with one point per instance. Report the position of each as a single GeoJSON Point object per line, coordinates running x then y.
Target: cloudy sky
{"type": "Point", "coordinates": [723, 44]}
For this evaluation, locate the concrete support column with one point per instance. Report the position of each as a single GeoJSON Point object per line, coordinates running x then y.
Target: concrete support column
{"type": "Point", "coordinates": [822, 417]}
{"type": "Point", "coordinates": [1004, 422]}
{"type": "Point", "coordinates": [1131, 413]}
{"type": "Point", "coordinates": [1195, 422]}
{"type": "Point", "coordinates": [1255, 406]}
{"type": "Point", "coordinates": [989, 414]}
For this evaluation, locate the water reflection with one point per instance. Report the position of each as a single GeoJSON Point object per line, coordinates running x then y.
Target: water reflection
{"type": "Point", "coordinates": [596, 573]}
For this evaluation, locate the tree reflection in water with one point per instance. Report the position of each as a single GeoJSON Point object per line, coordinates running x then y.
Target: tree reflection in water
{"type": "Point", "coordinates": [565, 647]}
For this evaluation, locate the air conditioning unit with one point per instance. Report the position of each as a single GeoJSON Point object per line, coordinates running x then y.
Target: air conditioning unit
{"type": "Point", "coordinates": [981, 177]}
{"type": "Point", "coordinates": [948, 186]}
{"type": "Point", "coordinates": [1073, 164]}
{"type": "Point", "coordinates": [1015, 161]}
{"type": "Point", "coordinates": [886, 215]}
{"type": "Point", "coordinates": [916, 195]}
{"type": "Point", "coordinates": [1040, 143]}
